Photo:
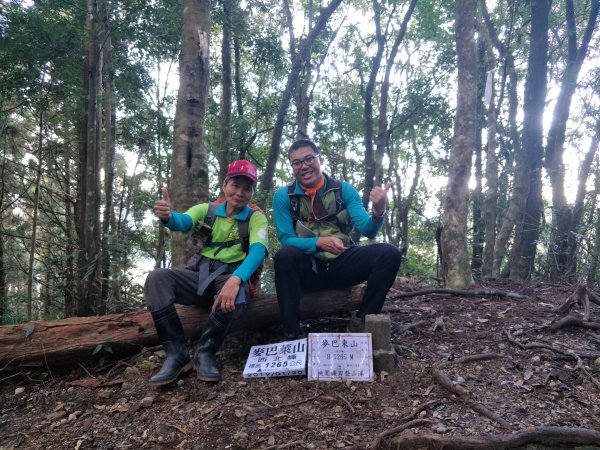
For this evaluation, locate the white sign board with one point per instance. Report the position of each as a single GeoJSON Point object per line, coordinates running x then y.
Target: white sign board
{"type": "Point", "coordinates": [276, 360]}
{"type": "Point", "coordinates": [340, 356]}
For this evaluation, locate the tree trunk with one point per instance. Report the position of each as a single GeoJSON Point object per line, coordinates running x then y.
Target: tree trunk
{"type": "Point", "coordinates": [88, 278]}
{"type": "Point", "coordinates": [490, 204]}
{"type": "Point", "coordinates": [522, 257]}
{"type": "Point", "coordinates": [189, 169]}
{"type": "Point", "coordinates": [34, 224]}
{"type": "Point", "coordinates": [403, 205]}
{"type": "Point", "coordinates": [109, 124]}
{"type": "Point", "coordinates": [520, 187]}
{"type": "Point", "coordinates": [241, 125]}
{"type": "Point", "coordinates": [456, 270]}
{"type": "Point", "coordinates": [584, 171]}
{"type": "Point", "coordinates": [70, 308]}
{"type": "Point", "coordinates": [369, 157]}
{"type": "Point", "coordinates": [592, 272]}
{"type": "Point", "coordinates": [3, 287]}
{"type": "Point", "coordinates": [65, 343]}
{"type": "Point", "coordinates": [561, 212]}
{"type": "Point", "coordinates": [477, 195]}
{"type": "Point", "coordinates": [225, 149]}
{"type": "Point", "coordinates": [302, 56]}
{"type": "Point", "coordinates": [383, 133]}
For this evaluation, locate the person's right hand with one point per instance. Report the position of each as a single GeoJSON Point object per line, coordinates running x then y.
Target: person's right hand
{"type": "Point", "coordinates": [330, 244]}
{"type": "Point", "coordinates": [162, 207]}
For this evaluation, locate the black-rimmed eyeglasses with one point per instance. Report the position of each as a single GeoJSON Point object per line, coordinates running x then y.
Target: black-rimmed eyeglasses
{"type": "Point", "coordinates": [297, 163]}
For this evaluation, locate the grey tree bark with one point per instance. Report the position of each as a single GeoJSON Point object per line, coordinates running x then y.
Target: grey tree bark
{"type": "Point", "coordinates": [522, 256]}
{"type": "Point", "coordinates": [189, 169]}
{"type": "Point", "coordinates": [88, 198]}
{"type": "Point", "coordinates": [456, 270]}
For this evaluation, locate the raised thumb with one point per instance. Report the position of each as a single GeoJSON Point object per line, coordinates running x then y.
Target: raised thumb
{"type": "Point", "coordinates": [165, 194]}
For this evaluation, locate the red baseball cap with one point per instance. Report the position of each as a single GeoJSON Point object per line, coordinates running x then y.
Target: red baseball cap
{"type": "Point", "coordinates": [242, 168]}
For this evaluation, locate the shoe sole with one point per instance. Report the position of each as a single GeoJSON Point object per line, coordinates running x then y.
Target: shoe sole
{"type": "Point", "coordinates": [189, 366]}
{"type": "Point", "coordinates": [210, 380]}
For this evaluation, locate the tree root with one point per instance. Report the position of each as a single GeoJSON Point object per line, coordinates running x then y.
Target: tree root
{"type": "Point", "coordinates": [380, 437]}
{"type": "Point", "coordinates": [569, 353]}
{"type": "Point", "coordinates": [459, 292]}
{"type": "Point", "coordinates": [581, 297]}
{"type": "Point", "coordinates": [463, 394]}
{"type": "Point", "coordinates": [571, 321]}
{"type": "Point", "coordinates": [557, 436]}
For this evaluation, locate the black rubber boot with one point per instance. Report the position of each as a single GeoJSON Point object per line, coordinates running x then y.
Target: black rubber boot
{"type": "Point", "coordinates": [210, 341]}
{"type": "Point", "coordinates": [170, 332]}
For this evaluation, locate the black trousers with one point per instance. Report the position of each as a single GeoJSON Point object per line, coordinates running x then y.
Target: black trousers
{"type": "Point", "coordinates": [295, 271]}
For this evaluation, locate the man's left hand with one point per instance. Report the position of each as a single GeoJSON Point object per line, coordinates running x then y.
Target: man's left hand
{"type": "Point", "coordinates": [378, 198]}
{"type": "Point", "coordinates": [227, 295]}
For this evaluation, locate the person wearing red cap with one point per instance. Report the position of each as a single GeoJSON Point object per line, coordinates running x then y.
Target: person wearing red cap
{"type": "Point", "coordinates": [214, 278]}
{"type": "Point", "coordinates": [314, 216]}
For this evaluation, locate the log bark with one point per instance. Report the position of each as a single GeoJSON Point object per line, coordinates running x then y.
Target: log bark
{"type": "Point", "coordinates": [554, 436]}
{"type": "Point", "coordinates": [65, 343]}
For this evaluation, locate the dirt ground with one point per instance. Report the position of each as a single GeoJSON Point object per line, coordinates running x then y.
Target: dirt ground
{"type": "Point", "coordinates": [467, 367]}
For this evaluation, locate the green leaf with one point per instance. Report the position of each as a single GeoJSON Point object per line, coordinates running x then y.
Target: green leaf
{"type": "Point", "coordinates": [109, 349]}
{"type": "Point", "coordinates": [97, 349]}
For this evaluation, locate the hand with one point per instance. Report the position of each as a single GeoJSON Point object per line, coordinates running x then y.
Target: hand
{"type": "Point", "coordinates": [227, 295]}
{"type": "Point", "coordinates": [162, 207]}
{"type": "Point", "coordinates": [378, 198]}
{"type": "Point", "coordinates": [330, 244]}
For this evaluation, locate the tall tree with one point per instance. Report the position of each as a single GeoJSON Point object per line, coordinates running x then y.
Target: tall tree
{"type": "Point", "coordinates": [509, 82]}
{"type": "Point", "coordinates": [456, 270]}
{"type": "Point", "coordinates": [562, 212]}
{"type": "Point", "coordinates": [108, 150]}
{"type": "Point", "coordinates": [189, 169]}
{"type": "Point", "coordinates": [88, 199]}
{"type": "Point", "coordinates": [225, 148]}
{"type": "Point", "coordinates": [490, 203]}
{"type": "Point", "coordinates": [522, 256]}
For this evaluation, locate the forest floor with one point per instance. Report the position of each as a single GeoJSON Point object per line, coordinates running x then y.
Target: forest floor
{"type": "Point", "coordinates": [470, 370]}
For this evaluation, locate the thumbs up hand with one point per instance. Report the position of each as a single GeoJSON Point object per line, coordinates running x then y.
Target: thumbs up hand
{"type": "Point", "coordinates": [162, 207]}
{"type": "Point", "coordinates": [378, 198]}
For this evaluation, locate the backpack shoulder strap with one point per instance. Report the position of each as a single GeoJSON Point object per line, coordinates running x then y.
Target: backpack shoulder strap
{"type": "Point", "coordinates": [243, 229]}
{"type": "Point", "coordinates": [294, 202]}
{"type": "Point", "coordinates": [210, 215]}
{"type": "Point", "coordinates": [337, 187]}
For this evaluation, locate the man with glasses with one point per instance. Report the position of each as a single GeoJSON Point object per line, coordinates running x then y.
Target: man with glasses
{"type": "Point", "coordinates": [314, 216]}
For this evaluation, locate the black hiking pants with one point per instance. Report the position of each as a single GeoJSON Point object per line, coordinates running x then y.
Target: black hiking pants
{"type": "Point", "coordinates": [295, 271]}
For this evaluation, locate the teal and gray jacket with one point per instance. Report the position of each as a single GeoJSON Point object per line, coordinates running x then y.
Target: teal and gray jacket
{"type": "Point", "coordinates": [352, 210]}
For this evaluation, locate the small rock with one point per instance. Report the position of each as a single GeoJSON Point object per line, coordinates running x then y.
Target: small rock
{"type": "Point", "coordinates": [105, 394]}
{"type": "Point", "coordinates": [597, 362]}
{"type": "Point", "coordinates": [180, 383]}
{"type": "Point", "coordinates": [423, 413]}
{"type": "Point", "coordinates": [126, 385]}
{"type": "Point", "coordinates": [147, 365]}
{"type": "Point", "coordinates": [241, 438]}
{"type": "Point", "coordinates": [131, 372]}
{"type": "Point", "coordinates": [536, 360]}
{"type": "Point", "coordinates": [441, 428]}
{"type": "Point", "coordinates": [147, 402]}
{"type": "Point", "coordinates": [19, 390]}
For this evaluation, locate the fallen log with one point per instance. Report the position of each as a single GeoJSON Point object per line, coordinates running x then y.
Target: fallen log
{"type": "Point", "coordinates": [65, 343]}
{"type": "Point", "coordinates": [563, 437]}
